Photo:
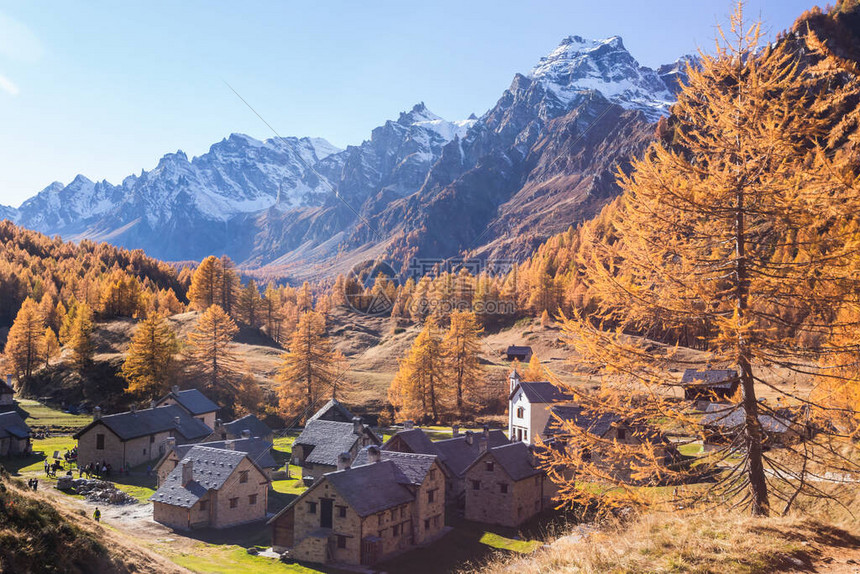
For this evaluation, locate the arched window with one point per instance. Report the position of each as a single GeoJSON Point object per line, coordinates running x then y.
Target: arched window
{"type": "Point", "coordinates": [521, 412]}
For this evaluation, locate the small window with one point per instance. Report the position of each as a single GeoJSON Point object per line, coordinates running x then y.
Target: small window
{"type": "Point", "coordinates": [503, 487]}
{"type": "Point", "coordinates": [204, 505]}
{"type": "Point", "coordinates": [151, 438]}
{"type": "Point", "coordinates": [426, 524]}
{"type": "Point", "coordinates": [341, 541]}
{"type": "Point", "coordinates": [490, 466]}
{"type": "Point", "coordinates": [395, 530]}
{"type": "Point", "coordinates": [234, 503]}
{"type": "Point", "coordinates": [100, 442]}
{"type": "Point", "coordinates": [243, 476]}
{"type": "Point", "coordinates": [394, 514]}
{"type": "Point", "coordinates": [341, 511]}
{"type": "Point", "coordinates": [144, 451]}
{"type": "Point", "coordinates": [252, 499]}
{"type": "Point", "coordinates": [476, 485]}
{"type": "Point", "coordinates": [521, 412]}
{"type": "Point", "coordinates": [431, 495]}
{"type": "Point", "coordinates": [432, 474]}
{"type": "Point", "coordinates": [621, 433]}
{"type": "Point", "coordinates": [312, 507]}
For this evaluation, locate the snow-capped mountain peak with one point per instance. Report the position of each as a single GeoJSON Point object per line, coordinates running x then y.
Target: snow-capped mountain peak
{"type": "Point", "coordinates": [578, 65]}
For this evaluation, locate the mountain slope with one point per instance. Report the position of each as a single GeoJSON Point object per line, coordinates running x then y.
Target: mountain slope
{"type": "Point", "coordinates": [541, 159]}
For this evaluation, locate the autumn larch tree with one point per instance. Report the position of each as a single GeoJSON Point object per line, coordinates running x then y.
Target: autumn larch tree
{"type": "Point", "coordinates": [50, 345]}
{"type": "Point", "coordinates": [307, 371]}
{"type": "Point", "coordinates": [206, 284]}
{"type": "Point", "coordinates": [25, 344]}
{"type": "Point", "coordinates": [150, 363]}
{"type": "Point", "coordinates": [209, 356]}
{"type": "Point", "coordinates": [80, 339]}
{"type": "Point", "coordinates": [460, 348]}
{"type": "Point", "coordinates": [741, 219]}
{"type": "Point", "coordinates": [534, 371]}
{"type": "Point", "coordinates": [419, 390]}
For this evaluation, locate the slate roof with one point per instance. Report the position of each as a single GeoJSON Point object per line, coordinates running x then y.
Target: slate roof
{"type": "Point", "coordinates": [720, 378]}
{"type": "Point", "coordinates": [329, 439]}
{"type": "Point", "coordinates": [333, 411]}
{"type": "Point", "coordinates": [457, 455]}
{"type": "Point", "coordinates": [5, 389]}
{"type": "Point", "coordinates": [519, 350]}
{"type": "Point", "coordinates": [597, 424]}
{"type": "Point", "coordinates": [542, 392]}
{"type": "Point", "coordinates": [371, 488]}
{"type": "Point", "coordinates": [416, 439]}
{"type": "Point", "coordinates": [249, 422]}
{"type": "Point", "coordinates": [259, 450]}
{"type": "Point", "coordinates": [514, 458]}
{"type": "Point", "coordinates": [194, 401]}
{"type": "Point", "coordinates": [413, 467]}
{"type": "Point", "coordinates": [211, 469]}
{"type": "Point", "coordinates": [732, 417]}
{"type": "Point", "coordinates": [145, 422]}
{"type": "Point", "coordinates": [12, 425]}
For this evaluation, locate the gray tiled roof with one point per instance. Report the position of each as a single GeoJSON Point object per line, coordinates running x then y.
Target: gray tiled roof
{"type": "Point", "coordinates": [721, 378]}
{"type": "Point", "coordinates": [597, 424]}
{"type": "Point", "coordinates": [543, 392]}
{"type": "Point", "coordinates": [414, 467]}
{"type": "Point", "coordinates": [211, 468]}
{"type": "Point", "coordinates": [194, 401]}
{"type": "Point", "coordinates": [457, 455]}
{"type": "Point", "coordinates": [249, 422]}
{"type": "Point", "coordinates": [329, 439]}
{"type": "Point", "coordinates": [333, 411]}
{"type": "Point", "coordinates": [371, 488]}
{"type": "Point", "coordinates": [731, 417]}
{"type": "Point", "coordinates": [145, 422]}
{"type": "Point", "coordinates": [416, 439]}
{"type": "Point", "coordinates": [5, 389]}
{"type": "Point", "coordinates": [514, 458]}
{"type": "Point", "coordinates": [518, 349]}
{"type": "Point", "coordinates": [259, 450]}
{"type": "Point", "coordinates": [11, 424]}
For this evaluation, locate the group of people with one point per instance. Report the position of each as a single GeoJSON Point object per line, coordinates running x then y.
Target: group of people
{"type": "Point", "coordinates": [33, 483]}
{"type": "Point", "coordinates": [51, 468]}
{"type": "Point", "coordinates": [102, 470]}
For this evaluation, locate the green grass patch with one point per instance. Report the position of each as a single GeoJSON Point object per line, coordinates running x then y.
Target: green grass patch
{"type": "Point", "coordinates": [290, 486]}
{"type": "Point", "coordinates": [226, 559]}
{"type": "Point", "coordinates": [42, 416]}
{"type": "Point", "coordinates": [502, 543]}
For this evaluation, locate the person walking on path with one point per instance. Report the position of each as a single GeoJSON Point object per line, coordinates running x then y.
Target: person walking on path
{"type": "Point", "coordinates": [97, 515]}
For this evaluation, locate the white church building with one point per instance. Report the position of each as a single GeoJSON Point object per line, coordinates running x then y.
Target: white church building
{"type": "Point", "coordinates": [529, 407]}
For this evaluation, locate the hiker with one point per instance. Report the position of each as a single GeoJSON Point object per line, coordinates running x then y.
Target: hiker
{"type": "Point", "coordinates": [97, 515]}
{"type": "Point", "coordinates": [35, 484]}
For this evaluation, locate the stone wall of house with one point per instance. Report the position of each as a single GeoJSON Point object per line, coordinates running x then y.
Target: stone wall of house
{"type": "Point", "coordinates": [173, 516]}
{"type": "Point", "coordinates": [429, 516]}
{"type": "Point", "coordinates": [118, 453]}
{"type": "Point", "coordinates": [394, 526]}
{"type": "Point", "coordinates": [307, 520]}
{"type": "Point", "coordinates": [222, 515]}
{"type": "Point", "coordinates": [6, 399]}
{"type": "Point", "coordinates": [201, 513]}
{"type": "Point", "coordinates": [488, 503]}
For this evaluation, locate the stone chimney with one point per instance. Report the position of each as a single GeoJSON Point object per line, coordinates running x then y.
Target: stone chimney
{"type": "Point", "coordinates": [487, 431]}
{"type": "Point", "coordinates": [246, 433]}
{"type": "Point", "coordinates": [357, 427]}
{"type": "Point", "coordinates": [343, 461]}
{"type": "Point", "coordinates": [152, 404]}
{"type": "Point", "coordinates": [97, 414]}
{"type": "Point", "coordinates": [230, 445]}
{"type": "Point", "coordinates": [218, 423]}
{"type": "Point", "coordinates": [470, 437]}
{"type": "Point", "coordinates": [455, 431]}
{"type": "Point", "coordinates": [177, 422]}
{"type": "Point", "coordinates": [9, 381]}
{"type": "Point", "coordinates": [483, 444]}
{"type": "Point", "coordinates": [374, 455]}
{"type": "Point", "coordinates": [187, 472]}
{"type": "Point", "coordinates": [134, 410]}
{"type": "Point", "coordinates": [171, 442]}
{"type": "Point", "coordinates": [175, 388]}
{"type": "Point", "coordinates": [408, 425]}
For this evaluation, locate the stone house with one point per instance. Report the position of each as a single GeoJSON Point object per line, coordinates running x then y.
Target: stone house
{"type": "Point", "coordinates": [257, 449]}
{"type": "Point", "coordinates": [504, 486]}
{"type": "Point", "coordinates": [333, 410]}
{"type": "Point", "coordinates": [193, 402]}
{"type": "Point", "coordinates": [710, 384]}
{"type": "Point", "coordinates": [519, 353]}
{"type": "Point", "coordinates": [365, 514]}
{"type": "Point", "coordinates": [214, 488]}
{"type": "Point", "coordinates": [124, 440]}
{"type": "Point", "coordinates": [723, 422]}
{"type": "Point", "coordinates": [7, 395]}
{"type": "Point", "coordinates": [247, 426]}
{"type": "Point", "coordinates": [322, 441]}
{"type": "Point", "coordinates": [14, 435]}
{"type": "Point", "coordinates": [529, 405]}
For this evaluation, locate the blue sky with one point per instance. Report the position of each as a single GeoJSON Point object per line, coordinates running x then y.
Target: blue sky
{"type": "Point", "coordinates": [106, 88]}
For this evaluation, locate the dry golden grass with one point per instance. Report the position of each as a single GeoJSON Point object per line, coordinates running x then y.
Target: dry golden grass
{"type": "Point", "coordinates": [816, 537]}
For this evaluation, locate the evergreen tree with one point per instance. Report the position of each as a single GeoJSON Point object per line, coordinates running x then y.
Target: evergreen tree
{"type": "Point", "coordinates": [150, 363]}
